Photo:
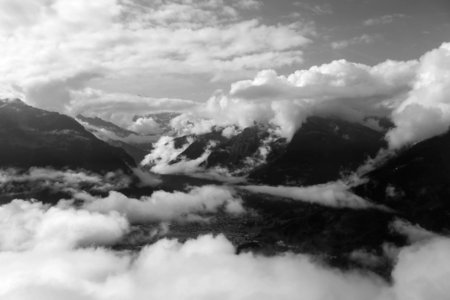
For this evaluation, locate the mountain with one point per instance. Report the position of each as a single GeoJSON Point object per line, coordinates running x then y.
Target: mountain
{"type": "Point", "coordinates": [33, 137]}
{"type": "Point", "coordinates": [320, 151]}
{"type": "Point", "coordinates": [416, 182]}
{"type": "Point", "coordinates": [233, 153]}
{"type": "Point", "coordinates": [135, 145]}
{"type": "Point", "coordinates": [100, 123]}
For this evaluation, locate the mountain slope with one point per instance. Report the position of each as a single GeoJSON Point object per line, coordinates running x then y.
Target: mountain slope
{"type": "Point", "coordinates": [100, 123]}
{"type": "Point", "coordinates": [35, 137]}
{"type": "Point", "coordinates": [137, 146]}
{"type": "Point", "coordinates": [415, 182]}
{"type": "Point", "coordinates": [319, 152]}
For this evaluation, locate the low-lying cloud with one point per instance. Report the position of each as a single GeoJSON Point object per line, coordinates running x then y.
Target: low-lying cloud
{"type": "Point", "coordinates": [70, 181]}
{"type": "Point", "coordinates": [62, 251]}
{"type": "Point", "coordinates": [164, 206]}
{"type": "Point", "coordinates": [28, 225]}
{"type": "Point", "coordinates": [335, 194]}
{"type": "Point", "coordinates": [203, 268]}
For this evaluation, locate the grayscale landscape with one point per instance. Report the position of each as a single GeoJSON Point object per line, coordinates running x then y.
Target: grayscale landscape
{"type": "Point", "coordinates": [224, 149]}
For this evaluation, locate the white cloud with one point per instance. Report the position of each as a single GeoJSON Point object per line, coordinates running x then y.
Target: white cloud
{"type": "Point", "coordinates": [108, 135]}
{"type": "Point", "coordinates": [204, 268]}
{"type": "Point", "coordinates": [145, 126]}
{"type": "Point", "coordinates": [334, 194]}
{"type": "Point", "coordinates": [208, 268]}
{"type": "Point", "coordinates": [341, 88]}
{"type": "Point", "coordinates": [53, 253]}
{"type": "Point", "coordinates": [165, 206]}
{"type": "Point", "coordinates": [121, 108]}
{"type": "Point", "coordinates": [411, 93]}
{"type": "Point", "coordinates": [26, 226]}
{"type": "Point", "coordinates": [426, 111]}
{"type": "Point", "coordinates": [414, 233]}
{"type": "Point", "coordinates": [68, 180]}
{"type": "Point", "coordinates": [317, 9]}
{"type": "Point", "coordinates": [52, 48]}
{"type": "Point", "coordinates": [422, 271]}
{"type": "Point", "coordinates": [383, 20]}
{"type": "Point", "coordinates": [362, 39]}
{"type": "Point", "coordinates": [164, 151]}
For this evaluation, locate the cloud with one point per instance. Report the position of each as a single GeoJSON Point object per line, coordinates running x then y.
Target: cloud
{"type": "Point", "coordinates": [414, 233]}
{"type": "Point", "coordinates": [411, 93]}
{"type": "Point", "coordinates": [59, 252]}
{"type": "Point", "coordinates": [422, 270]}
{"type": "Point", "coordinates": [362, 39]}
{"type": "Point", "coordinates": [182, 165]}
{"type": "Point", "coordinates": [145, 126]}
{"type": "Point", "coordinates": [426, 111]}
{"type": "Point", "coordinates": [383, 20]}
{"type": "Point", "coordinates": [202, 268]}
{"type": "Point", "coordinates": [334, 194]}
{"type": "Point", "coordinates": [165, 206]}
{"type": "Point", "coordinates": [317, 9]}
{"type": "Point", "coordinates": [87, 45]}
{"type": "Point", "coordinates": [146, 178]}
{"type": "Point", "coordinates": [344, 89]}
{"type": "Point", "coordinates": [208, 268]}
{"type": "Point", "coordinates": [108, 135]}
{"type": "Point", "coordinates": [164, 151]}
{"type": "Point", "coordinates": [71, 181]}
{"type": "Point", "coordinates": [120, 108]}
{"type": "Point", "coordinates": [26, 226]}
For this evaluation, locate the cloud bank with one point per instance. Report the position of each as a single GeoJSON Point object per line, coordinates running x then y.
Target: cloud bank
{"type": "Point", "coordinates": [335, 194]}
{"type": "Point", "coordinates": [163, 206]}
{"type": "Point", "coordinates": [43, 259]}
{"type": "Point", "coordinates": [34, 226]}
{"type": "Point", "coordinates": [341, 88]}
{"type": "Point", "coordinates": [70, 181]}
{"type": "Point", "coordinates": [413, 94]}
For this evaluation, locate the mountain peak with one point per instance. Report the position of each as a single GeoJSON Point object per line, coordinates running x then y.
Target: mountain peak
{"type": "Point", "coordinates": [16, 101]}
{"type": "Point", "coordinates": [34, 137]}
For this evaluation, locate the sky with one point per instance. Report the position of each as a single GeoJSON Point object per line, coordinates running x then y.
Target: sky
{"type": "Point", "coordinates": [119, 58]}
{"type": "Point", "coordinates": [188, 49]}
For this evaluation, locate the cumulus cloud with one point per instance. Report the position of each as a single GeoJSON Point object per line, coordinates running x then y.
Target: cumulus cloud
{"type": "Point", "coordinates": [32, 225]}
{"type": "Point", "coordinates": [426, 111]}
{"type": "Point", "coordinates": [334, 194]}
{"type": "Point", "coordinates": [411, 93]}
{"type": "Point", "coordinates": [341, 88]}
{"type": "Point", "coordinates": [165, 206]}
{"type": "Point", "coordinates": [145, 126]}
